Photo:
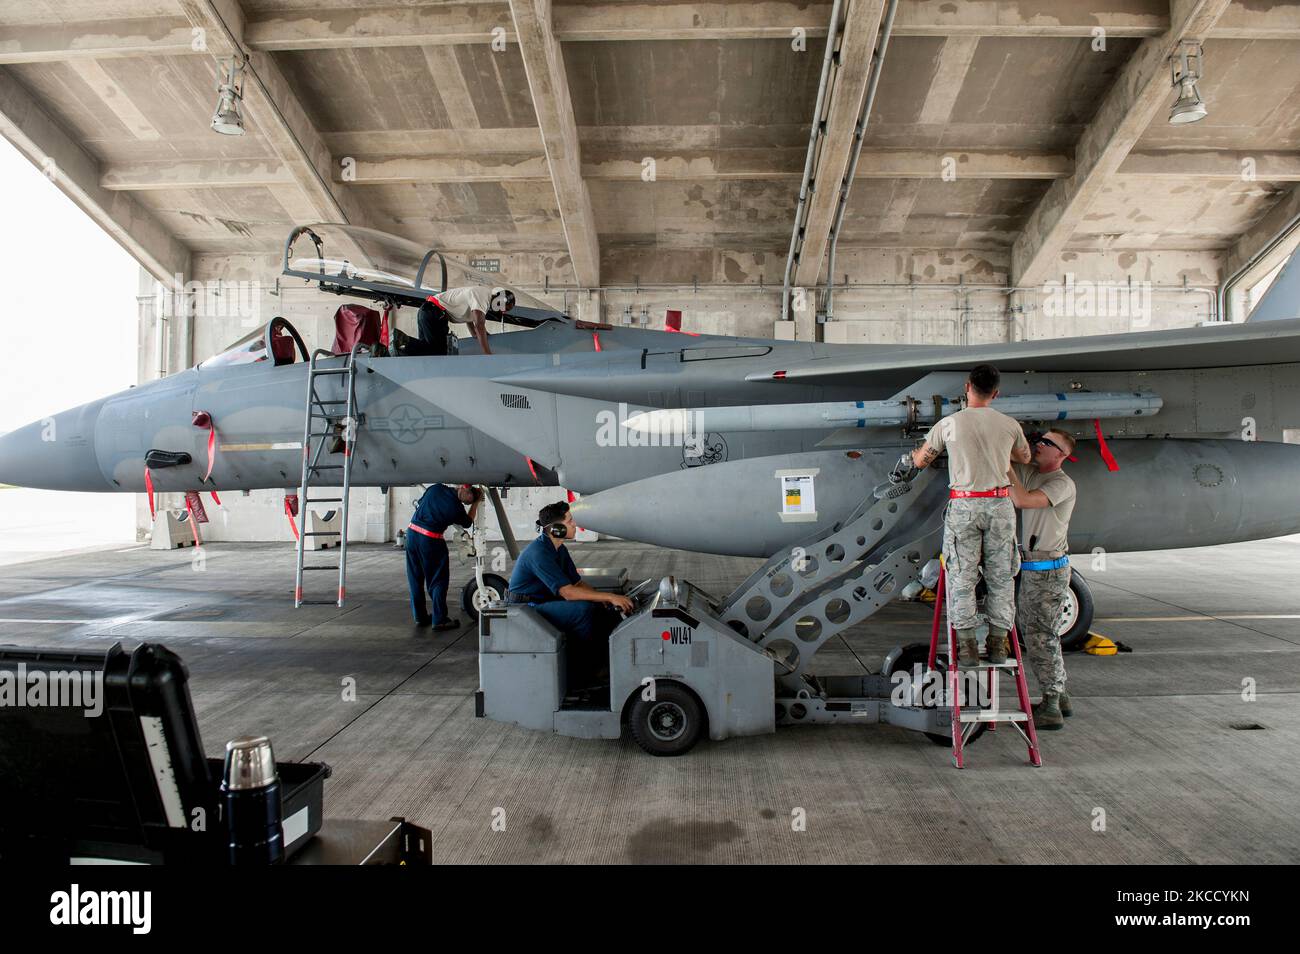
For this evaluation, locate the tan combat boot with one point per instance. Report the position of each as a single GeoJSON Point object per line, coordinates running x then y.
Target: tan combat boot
{"type": "Point", "coordinates": [1047, 714]}
{"type": "Point", "coordinates": [968, 648]}
{"type": "Point", "coordinates": [997, 646]}
{"type": "Point", "coordinates": [1063, 700]}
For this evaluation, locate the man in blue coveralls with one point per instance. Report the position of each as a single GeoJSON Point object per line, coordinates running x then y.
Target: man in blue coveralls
{"type": "Point", "coordinates": [546, 578]}
{"type": "Point", "coordinates": [427, 566]}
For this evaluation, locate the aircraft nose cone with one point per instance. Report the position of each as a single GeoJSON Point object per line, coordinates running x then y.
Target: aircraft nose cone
{"type": "Point", "coordinates": [54, 453]}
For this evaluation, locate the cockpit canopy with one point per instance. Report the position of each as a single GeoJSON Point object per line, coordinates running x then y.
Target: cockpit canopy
{"type": "Point", "coordinates": [364, 263]}
{"type": "Point", "coordinates": [277, 340]}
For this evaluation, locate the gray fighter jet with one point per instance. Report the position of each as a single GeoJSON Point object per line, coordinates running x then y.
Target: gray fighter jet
{"type": "Point", "coordinates": [740, 446]}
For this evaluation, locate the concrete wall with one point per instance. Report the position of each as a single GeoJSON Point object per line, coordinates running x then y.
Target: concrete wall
{"type": "Point", "coordinates": [890, 296]}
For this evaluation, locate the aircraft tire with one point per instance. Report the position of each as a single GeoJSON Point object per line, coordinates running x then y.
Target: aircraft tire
{"type": "Point", "coordinates": [1077, 634]}
{"type": "Point", "coordinates": [1078, 613]}
{"type": "Point", "coordinates": [470, 598]}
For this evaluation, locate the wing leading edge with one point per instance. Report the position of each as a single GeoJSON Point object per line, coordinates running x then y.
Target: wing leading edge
{"type": "Point", "coordinates": [1224, 346]}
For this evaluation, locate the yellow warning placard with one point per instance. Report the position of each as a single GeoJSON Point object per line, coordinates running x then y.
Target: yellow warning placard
{"type": "Point", "coordinates": [797, 494]}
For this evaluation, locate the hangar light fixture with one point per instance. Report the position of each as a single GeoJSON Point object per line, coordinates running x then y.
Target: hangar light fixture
{"type": "Point", "coordinates": [1187, 72]}
{"type": "Point", "coordinates": [226, 119]}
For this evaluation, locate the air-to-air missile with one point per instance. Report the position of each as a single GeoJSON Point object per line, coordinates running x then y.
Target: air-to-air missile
{"type": "Point", "coordinates": [908, 412]}
{"type": "Point", "coordinates": [1195, 417]}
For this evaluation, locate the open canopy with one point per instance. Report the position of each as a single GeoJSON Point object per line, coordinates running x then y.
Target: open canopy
{"type": "Point", "coordinates": [364, 263]}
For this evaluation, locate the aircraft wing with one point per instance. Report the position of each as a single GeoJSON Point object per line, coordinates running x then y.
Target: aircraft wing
{"type": "Point", "coordinates": [1212, 346]}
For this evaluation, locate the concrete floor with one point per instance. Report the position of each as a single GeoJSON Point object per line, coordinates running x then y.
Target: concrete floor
{"type": "Point", "coordinates": [1153, 743]}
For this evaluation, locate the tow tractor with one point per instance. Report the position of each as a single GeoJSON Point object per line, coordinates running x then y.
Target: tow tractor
{"type": "Point", "coordinates": [685, 663]}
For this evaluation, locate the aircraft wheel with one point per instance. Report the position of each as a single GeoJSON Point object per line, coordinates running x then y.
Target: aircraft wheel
{"type": "Point", "coordinates": [915, 654]}
{"type": "Point", "coordinates": [472, 599]}
{"type": "Point", "coordinates": [1076, 616]}
{"type": "Point", "coordinates": [670, 724]}
{"type": "Point", "coordinates": [1076, 613]}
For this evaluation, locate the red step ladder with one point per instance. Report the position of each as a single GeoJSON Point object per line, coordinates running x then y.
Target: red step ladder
{"type": "Point", "coordinates": [963, 723]}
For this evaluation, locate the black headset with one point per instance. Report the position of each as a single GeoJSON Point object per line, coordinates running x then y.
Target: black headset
{"type": "Point", "coordinates": [557, 530]}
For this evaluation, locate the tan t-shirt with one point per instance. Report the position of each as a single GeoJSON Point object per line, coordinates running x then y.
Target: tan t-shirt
{"type": "Point", "coordinates": [979, 442]}
{"type": "Point", "coordinates": [1047, 527]}
{"type": "Point", "coordinates": [459, 302]}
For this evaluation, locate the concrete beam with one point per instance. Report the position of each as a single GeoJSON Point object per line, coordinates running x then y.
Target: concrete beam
{"type": "Point", "coordinates": [440, 25]}
{"type": "Point", "coordinates": [1139, 92]}
{"type": "Point", "coordinates": [549, 86]}
{"type": "Point", "coordinates": [116, 100]}
{"type": "Point", "coordinates": [420, 143]}
{"type": "Point", "coordinates": [1242, 164]}
{"type": "Point", "coordinates": [381, 171]}
{"type": "Point", "coordinates": [949, 80]}
{"type": "Point", "coordinates": [195, 174]}
{"type": "Point", "coordinates": [749, 165]}
{"type": "Point", "coordinates": [673, 164]}
{"type": "Point", "coordinates": [100, 40]}
{"type": "Point", "coordinates": [677, 20]}
{"type": "Point", "coordinates": [783, 164]}
{"type": "Point", "coordinates": [1250, 21]}
{"type": "Point", "coordinates": [271, 103]}
{"type": "Point", "coordinates": [431, 25]}
{"type": "Point", "coordinates": [77, 175]}
{"type": "Point", "coordinates": [974, 18]}
{"type": "Point", "coordinates": [695, 20]}
{"type": "Point", "coordinates": [857, 41]}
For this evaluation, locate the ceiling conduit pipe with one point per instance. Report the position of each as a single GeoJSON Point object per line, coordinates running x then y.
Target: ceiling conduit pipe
{"type": "Point", "coordinates": [877, 67]}
{"type": "Point", "coordinates": [1222, 303]}
{"type": "Point", "coordinates": [818, 130]}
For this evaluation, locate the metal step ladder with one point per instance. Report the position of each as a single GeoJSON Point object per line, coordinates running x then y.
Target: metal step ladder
{"type": "Point", "coordinates": [323, 425]}
{"type": "Point", "coordinates": [965, 722]}
{"type": "Point", "coordinates": [800, 599]}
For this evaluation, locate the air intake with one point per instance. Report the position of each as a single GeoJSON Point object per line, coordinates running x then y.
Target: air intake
{"type": "Point", "coordinates": [517, 402]}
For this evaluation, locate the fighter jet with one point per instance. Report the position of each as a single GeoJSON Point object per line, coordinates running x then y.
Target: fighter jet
{"type": "Point", "coordinates": [698, 441]}
{"type": "Point", "coordinates": [252, 396]}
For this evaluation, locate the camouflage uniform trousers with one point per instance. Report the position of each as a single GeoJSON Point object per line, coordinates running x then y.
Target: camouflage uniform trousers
{"type": "Point", "coordinates": [1042, 596]}
{"type": "Point", "coordinates": [981, 531]}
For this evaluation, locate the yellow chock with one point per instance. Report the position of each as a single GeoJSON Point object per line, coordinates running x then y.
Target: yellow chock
{"type": "Point", "coordinates": [1099, 645]}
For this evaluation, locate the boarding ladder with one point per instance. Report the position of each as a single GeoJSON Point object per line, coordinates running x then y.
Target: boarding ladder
{"type": "Point", "coordinates": [965, 722]}
{"type": "Point", "coordinates": [327, 419]}
{"type": "Point", "coordinates": [801, 598]}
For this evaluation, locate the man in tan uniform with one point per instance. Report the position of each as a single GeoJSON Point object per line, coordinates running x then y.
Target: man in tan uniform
{"type": "Point", "coordinates": [979, 528]}
{"type": "Point", "coordinates": [469, 305]}
{"type": "Point", "coordinates": [1046, 495]}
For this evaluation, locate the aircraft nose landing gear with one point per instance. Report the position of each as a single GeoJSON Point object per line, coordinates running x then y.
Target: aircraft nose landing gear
{"type": "Point", "coordinates": [476, 596]}
{"type": "Point", "coordinates": [483, 587]}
